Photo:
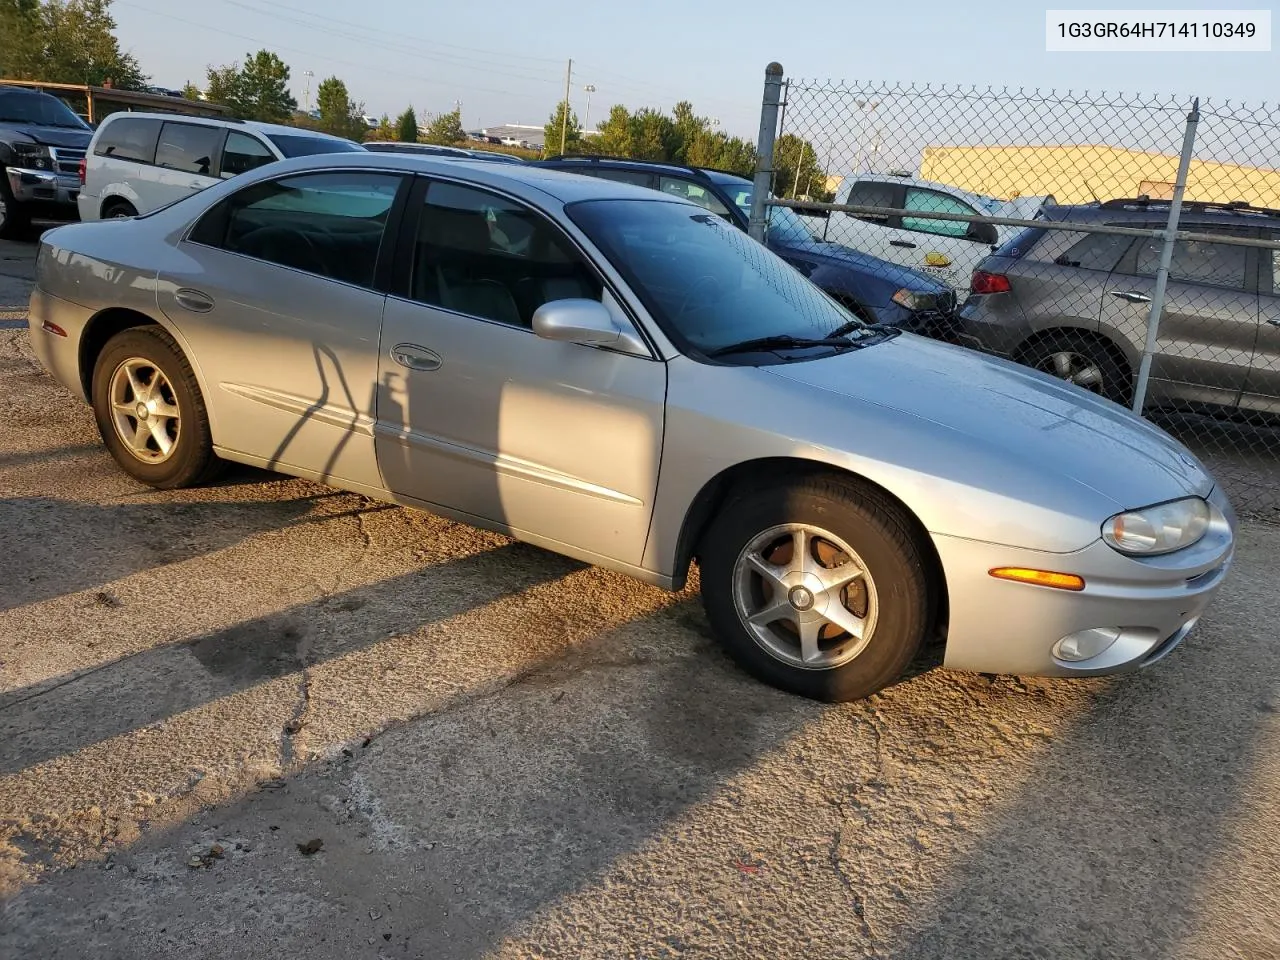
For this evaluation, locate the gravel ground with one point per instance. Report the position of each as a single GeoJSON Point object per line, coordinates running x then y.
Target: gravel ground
{"type": "Point", "coordinates": [503, 753]}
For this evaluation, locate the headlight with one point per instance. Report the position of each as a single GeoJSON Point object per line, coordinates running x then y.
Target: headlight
{"type": "Point", "coordinates": [915, 301]}
{"type": "Point", "coordinates": [33, 155]}
{"type": "Point", "coordinates": [1159, 529]}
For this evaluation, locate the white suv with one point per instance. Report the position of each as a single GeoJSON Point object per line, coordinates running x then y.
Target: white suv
{"type": "Point", "coordinates": [137, 162]}
{"type": "Point", "coordinates": [946, 249]}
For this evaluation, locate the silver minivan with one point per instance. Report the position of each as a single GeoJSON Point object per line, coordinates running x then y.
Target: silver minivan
{"type": "Point", "coordinates": [138, 162]}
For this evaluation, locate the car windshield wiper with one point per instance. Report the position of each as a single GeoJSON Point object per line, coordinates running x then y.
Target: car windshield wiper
{"type": "Point", "coordinates": [870, 328]}
{"type": "Point", "coordinates": [781, 342]}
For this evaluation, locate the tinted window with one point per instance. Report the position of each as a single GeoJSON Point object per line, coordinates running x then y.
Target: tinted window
{"type": "Point", "coordinates": [707, 283]}
{"type": "Point", "coordinates": [869, 193]}
{"type": "Point", "coordinates": [702, 196]}
{"type": "Point", "coordinates": [188, 147]}
{"type": "Point", "coordinates": [486, 256]}
{"type": "Point", "coordinates": [935, 202]}
{"type": "Point", "coordinates": [30, 106]}
{"type": "Point", "coordinates": [1097, 251]}
{"type": "Point", "coordinates": [329, 224]}
{"type": "Point", "coordinates": [1196, 261]}
{"type": "Point", "coordinates": [617, 176]}
{"type": "Point", "coordinates": [129, 138]}
{"type": "Point", "coordinates": [244, 153]}
{"type": "Point", "coordinates": [303, 146]}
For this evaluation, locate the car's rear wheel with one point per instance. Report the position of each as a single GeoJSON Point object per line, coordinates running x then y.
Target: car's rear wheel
{"type": "Point", "coordinates": [818, 587]}
{"type": "Point", "coordinates": [1083, 361]}
{"type": "Point", "coordinates": [118, 210]}
{"type": "Point", "coordinates": [150, 412]}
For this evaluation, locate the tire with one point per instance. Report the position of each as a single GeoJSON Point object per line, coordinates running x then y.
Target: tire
{"type": "Point", "coordinates": [15, 222]}
{"type": "Point", "coordinates": [155, 362]}
{"type": "Point", "coordinates": [1081, 360]}
{"type": "Point", "coordinates": [895, 598]}
{"type": "Point", "coordinates": [118, 210]}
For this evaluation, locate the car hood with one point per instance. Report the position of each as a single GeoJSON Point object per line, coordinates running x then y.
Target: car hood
{"type": "Point", "coordinates": [847, 256]}
{"type": "Point", "coordinates": [1027, 416]}
{"type": "Point", "coordinates": [52, 136]}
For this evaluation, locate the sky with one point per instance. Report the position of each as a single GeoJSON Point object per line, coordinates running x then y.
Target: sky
{"type": "Point", "coordinates": [505, 61]}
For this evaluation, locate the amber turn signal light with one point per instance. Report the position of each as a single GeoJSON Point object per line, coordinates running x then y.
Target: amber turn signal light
{"type": "Point", "coordinates": [1043, 578]}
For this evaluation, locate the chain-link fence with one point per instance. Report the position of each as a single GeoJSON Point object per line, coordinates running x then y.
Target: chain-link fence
{"type": "Point", "coordinates": [1129, 245]}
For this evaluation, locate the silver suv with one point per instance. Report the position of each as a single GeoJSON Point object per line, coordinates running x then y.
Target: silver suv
{"type": "Point", "coordinates": [1075, 305]}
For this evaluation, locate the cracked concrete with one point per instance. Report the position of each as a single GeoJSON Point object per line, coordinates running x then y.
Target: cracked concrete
{"type": "Point", "coordinates": [507, 754]}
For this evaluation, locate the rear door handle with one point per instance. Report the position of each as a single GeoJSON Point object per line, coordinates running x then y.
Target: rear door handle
{"type": "Point", "coordinates": [1131, 296]}
{"type": "Point", "coordinates": [902, 243]}
{"type": "Point", "coordinates": [415, 357]}
{"type": "Point", "coordinates": [194, 300]}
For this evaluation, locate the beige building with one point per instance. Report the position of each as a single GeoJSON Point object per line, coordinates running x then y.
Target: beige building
{"type": "Point", "coordinates": [1081, 173]}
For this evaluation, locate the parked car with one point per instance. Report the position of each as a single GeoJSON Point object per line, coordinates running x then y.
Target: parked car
{"type": "Point", "coordinates": [41, 144]}
{"type": "Point", "coordinates": [138, 162]}
{"type": "Point", "coordinates": [1076, 305]}
{"type": "Point", "coordinates": [945, 249]}
{"type": "Point", "coordinates": [628, 379]}
{"type": "Point", "coordinates": [874, 289]}
{"type": "Point", "coordinates": [433, 149]}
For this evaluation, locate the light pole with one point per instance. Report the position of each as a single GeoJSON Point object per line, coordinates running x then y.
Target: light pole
{"type": "Point", "coordinates": [590, 88]}
{"type": "Point", "coordinates": [307, 96]}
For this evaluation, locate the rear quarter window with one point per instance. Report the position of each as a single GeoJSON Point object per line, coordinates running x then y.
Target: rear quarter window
{"type": "Point", "coordinates": [129, 138]}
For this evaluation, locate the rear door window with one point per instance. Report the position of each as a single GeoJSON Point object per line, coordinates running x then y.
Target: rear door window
{"type": "Point", "coordinates": [189, 147]}
{"type": "Point", "coordinates": [129, 138]}
{"type": "Point", "coordinates": [244, 153]}
{"type": "Point", "coordinates": [699, 194]}
{"type": "Point", "coordinates": [932, 201]}
{"type": "Point", "coordinates": [1198, 261]}
{"type": "Point", "coordinates": [872, 193]}
{"type": "Point", "coordinates": [1096, 251]}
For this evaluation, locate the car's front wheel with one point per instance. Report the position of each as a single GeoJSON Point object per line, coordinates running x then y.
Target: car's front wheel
{"type": "Point", "coordinates": [818, 587]}
{"type": "Point", "coordinates": [150, 412]}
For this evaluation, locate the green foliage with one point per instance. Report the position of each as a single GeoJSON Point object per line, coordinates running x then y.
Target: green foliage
{"type": "Point", "coordinates": [796, 170]}
{"type": "Point", "coordinates": [684, 137]}
{"type": "Point", "coordinates": [65, 41]}
{"type": "Point", "coordinates": [407, 126]}
{"type": "Point", "coordinates": [445, 129]}
{"type": "Point", "coordinates": [338, 115]}
{"type": "Point", "coordinates": [561, 136]}
{"type": "Point", "coordinates": [190, 91]}
{"type": "Point", "coordinates": [385, 130]}
{"type": "Point", "coordinates": [257, 91]}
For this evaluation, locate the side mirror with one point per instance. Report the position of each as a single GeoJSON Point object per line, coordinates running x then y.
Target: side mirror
{"type": "Point", "coordinates": [984, 233]}
{"type": "Point", "coordinates": [577, 321]}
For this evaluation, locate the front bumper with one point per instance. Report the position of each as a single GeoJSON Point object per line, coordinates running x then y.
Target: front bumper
{"type": "Point", "coordinates": [1149, 606]}
{"type": "Point", "coordinates": [49, 190]}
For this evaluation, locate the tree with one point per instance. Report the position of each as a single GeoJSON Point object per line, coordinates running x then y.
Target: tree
{"type": "Point", "coordinates": [338, 115]}
{"type": "Point", "coordinates": [561, 136]}
{"type": "Point", "coordinates": [222, 85]}
{"type": "Point", "coordinates": [264, 89]}
{"type": "Point", "coordinates": [653, 134]}
{"type": "Point", "coordinates": [383, 131]}
{"type": "Point", "coordinates": [65, 41]}
{"type": "Point", "coordinates": [796, 170]}
{"type": "Point", "coordinates": [445, 129]}
{"type": "Point", "coordinates": [407, 126]}
{"type": "Point", "coordinates": [191, 91]}
{"type": "Point", "coordinates": [614, 139]}
{"type": "Point", "coordinates": [689, 128]}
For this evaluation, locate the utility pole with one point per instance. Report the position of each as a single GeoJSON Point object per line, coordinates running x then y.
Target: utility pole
{"type": "Point", "coordinates": [564, 120]}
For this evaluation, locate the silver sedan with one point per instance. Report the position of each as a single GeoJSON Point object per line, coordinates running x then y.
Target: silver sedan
{"type": "Point", "coordinates": [624, 378]}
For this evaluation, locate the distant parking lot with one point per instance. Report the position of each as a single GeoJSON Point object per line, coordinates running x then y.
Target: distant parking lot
{"type": "Point", "coordinates": [503, 753]}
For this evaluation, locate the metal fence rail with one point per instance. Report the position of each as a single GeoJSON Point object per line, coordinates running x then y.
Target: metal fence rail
{"type": "Point", "coordinates": [1128, 245]}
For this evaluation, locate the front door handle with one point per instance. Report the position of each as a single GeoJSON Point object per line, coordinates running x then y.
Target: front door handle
{"type": "Point", "coordinates": [415, 357]}
{"type": "Point", "coordinates": [195, 300]}
{"type": "Point", "coordinates": [1131, 296]}
{"type": "Point", "coordinates": [902, 243]}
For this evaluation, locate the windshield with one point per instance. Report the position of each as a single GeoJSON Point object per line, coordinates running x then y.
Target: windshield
{"type": "Point", "coordinates": [25, 106]}
{"type": "Point", "coordinates": [706, 282]}
{"type": "Point", "coordinates": [303, 146]}
{"type": "Point", "coordinates": [783, 223]}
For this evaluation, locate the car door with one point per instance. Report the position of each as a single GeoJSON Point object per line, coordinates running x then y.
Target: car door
{"type": "Point", "coordinates": [551, 440]}
{"type": "Point", "coordinates": [1262, 386]}
{"type": "Point", "coordinates": [186, 162]}
{"type": "Point", "coordinates": [946, 249]}
{"type": "Point", "coordinates": [279, 293]}
{"type": "Point", "coordinates": [1209, 321]}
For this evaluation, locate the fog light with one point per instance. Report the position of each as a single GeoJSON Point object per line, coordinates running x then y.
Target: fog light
{"type": "Point", "coordinates": [1086, 644]}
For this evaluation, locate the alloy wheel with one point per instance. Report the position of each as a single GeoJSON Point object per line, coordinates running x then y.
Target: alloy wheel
{"type": "Point", "coordinates": [805, 596]}
{"type": "Point", "coordinates": [144, 410]}
{"type": "Point", "coordinates": [1073, 368]}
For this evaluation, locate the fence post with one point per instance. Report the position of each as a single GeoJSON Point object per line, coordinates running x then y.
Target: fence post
{"type": "Point", "coordinates": [1166, 256]}
{"type": "Point", "coordinates": [764, 150]}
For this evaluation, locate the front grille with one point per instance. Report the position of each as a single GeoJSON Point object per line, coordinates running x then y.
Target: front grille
{"type": "Point", "coordinates": [67, 159]}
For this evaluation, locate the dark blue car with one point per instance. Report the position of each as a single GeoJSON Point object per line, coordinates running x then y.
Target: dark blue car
{"type": "Point", "coordinates": [875, 290]}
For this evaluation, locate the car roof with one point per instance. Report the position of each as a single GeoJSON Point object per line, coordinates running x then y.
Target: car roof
{"type": "Point", "coordinates": [630, 163]}
{"type": "Point", "coordinates": [562, 185]}
{"type": "Point", "coordinates": [1140, 209]}
{"type": "Point", "coordinates": [263, 127]}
